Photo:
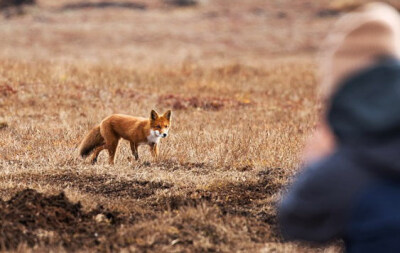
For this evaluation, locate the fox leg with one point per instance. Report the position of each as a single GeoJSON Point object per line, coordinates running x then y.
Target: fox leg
{"type": "Point", "coordinates": [112, 148]}
{"type": "Point", "coordinates": [97, 152]}
{"type": "Point", "coordinates": [111, 140]}
{"type": "Point", "coordinates": [134, 148]}
{"type": "Point", "coordinates": [154, 150]}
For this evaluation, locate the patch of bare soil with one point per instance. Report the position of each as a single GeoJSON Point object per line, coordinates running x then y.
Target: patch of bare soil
{"type": "Point", "coordinates": [191, 229]}
{"type": "Point", "coordinates": [237, 198]}
{"type": "Point", "coordinates": [198, 168]}
{"type": "Point", "coordinates": [178, 102]}
{"type": "Point", "coordinates": [181, 3]}
{"type": "Point", "coordinates": [108, 186]}
{"type": "Point", "coordinates": [32, 218]}
{"type": "Point", "coordinates": [104, 4]}
{"type": "Point", "coordinates": [249, 200]}
{"type": "Point", "coordinates": [105, 185]}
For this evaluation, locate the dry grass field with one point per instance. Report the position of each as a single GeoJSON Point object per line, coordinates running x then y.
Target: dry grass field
{"type": "Point", "coordinates": [240, 77]}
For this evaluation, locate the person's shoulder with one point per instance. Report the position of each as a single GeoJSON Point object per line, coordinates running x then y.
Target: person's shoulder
{"type": "Point", "coordinates": [339, 170]}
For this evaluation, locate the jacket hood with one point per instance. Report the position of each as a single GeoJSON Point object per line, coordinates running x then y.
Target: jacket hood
{"type": "Point", "coordinates": [364, 114]}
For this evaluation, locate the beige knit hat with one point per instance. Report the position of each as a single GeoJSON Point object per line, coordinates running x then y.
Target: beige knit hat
{"type": "Point", "coordinates": [357, 41]}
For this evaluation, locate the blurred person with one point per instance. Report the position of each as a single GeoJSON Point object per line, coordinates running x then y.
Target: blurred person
{"type": "Point", "coordinates": [350, 188]}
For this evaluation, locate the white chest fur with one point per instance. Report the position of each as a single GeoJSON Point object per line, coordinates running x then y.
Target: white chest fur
{"type": "Point", "coordinates": [154, 137]}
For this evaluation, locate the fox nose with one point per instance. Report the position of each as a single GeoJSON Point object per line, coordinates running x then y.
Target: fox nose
{"type": "Point", "coordinates": [164, 135]}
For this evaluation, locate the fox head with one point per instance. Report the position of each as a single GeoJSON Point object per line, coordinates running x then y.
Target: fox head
{"type": "Point", "coordinates": [159, 125]}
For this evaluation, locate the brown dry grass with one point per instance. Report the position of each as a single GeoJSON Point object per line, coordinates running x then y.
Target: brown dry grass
{"type": "Point", "coordinates": [244, 101]}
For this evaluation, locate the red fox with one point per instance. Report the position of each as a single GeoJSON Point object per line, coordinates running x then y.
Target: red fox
{"type": "Point", "coordinates": [136, 130]}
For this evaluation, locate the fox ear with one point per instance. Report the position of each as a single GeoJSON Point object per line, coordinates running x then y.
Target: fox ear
{"type": "Point", "coordinates": [153, 115]}
{"type": "Point", "coordinates": [167, 115]}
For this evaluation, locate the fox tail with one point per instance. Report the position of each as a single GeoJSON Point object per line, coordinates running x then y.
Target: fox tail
{"type": "Point", "coordinates": [92, 140]}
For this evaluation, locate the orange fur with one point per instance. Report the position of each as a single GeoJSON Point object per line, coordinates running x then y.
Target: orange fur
{"type": "Point", "coordinates": [136, 130]}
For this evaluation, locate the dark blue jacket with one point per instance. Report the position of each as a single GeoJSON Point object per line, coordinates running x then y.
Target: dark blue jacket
{"type": "Point", "coordinates": [354, 194]}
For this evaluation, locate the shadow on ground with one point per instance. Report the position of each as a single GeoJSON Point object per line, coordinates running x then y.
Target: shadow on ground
{"type": "Point", "coordinates": [104, 4]}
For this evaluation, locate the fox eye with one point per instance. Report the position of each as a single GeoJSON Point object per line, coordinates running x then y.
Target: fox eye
{"type": "Point", "coordinates": [166, 126]}
{"type": "Point", "coordinates": [158, 126]}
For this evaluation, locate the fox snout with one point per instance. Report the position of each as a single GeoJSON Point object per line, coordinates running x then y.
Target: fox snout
{"type": "Point", "coordinates": [161, 134]}
{"type": "Point", "coordinates": [158, 133]}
